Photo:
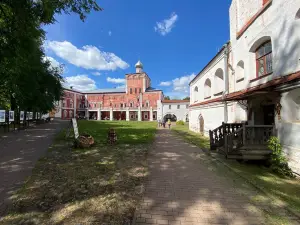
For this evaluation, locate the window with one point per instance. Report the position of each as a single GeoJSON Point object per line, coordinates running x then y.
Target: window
{"type": "Point", "coordinates": [207, 89]}
{"type": "Point", "coordinates": [71, 103]}
{"type": "Point", "coordinates": [121, 105]}
{"type": "Point", "coordinates": [169, 106]}
{"type": "Point", "coordinates": [219, 82]}
{"type": "Point", "coordinates": [146, 116]}
{"type": "Point", "coordinates": [147, 103]}
{"type": "Point", "coordinates": [140, 90]}
{"type": "Point", "coordinates": [196, 89]}
{"type": "Point", "coordinates": [124, 104]}
{"type": "Point", "coordinates": [131, 104]}
{"type": "Point", "coordinates": [115, 105]}
{"type": "Point", "coordinates": [240, 72]}
{"type": "Point", "coordinates": [95, 105]}
{"type": "Point", "coordinates": [130, 90]}
{"type": "Point", "coordinates": [187, 106]}
{"type": "Point", "coordinates": [135, 90]}
{"type": "Point", "coordinates": [264, 64]}
{"type": "Point", "coordinates": [154, 116]}
{"type": "Point", "coordinates": [178, 106]}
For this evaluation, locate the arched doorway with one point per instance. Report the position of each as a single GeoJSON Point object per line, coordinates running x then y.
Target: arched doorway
{"type": "Point", "coordinates": [201, 124]}
{"type": "Point", "coordinates": [172, 117]}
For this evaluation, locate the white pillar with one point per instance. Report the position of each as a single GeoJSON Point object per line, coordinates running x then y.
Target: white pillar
{"type": "Point", "coordinates": [99, 115]}
{"type": "Point", "coordinates": [151, 114]}
{"type": "Point", "coordinates": [139, 114]}
{"type": "Point", "coordinates": [127, 114]}
{"type": "Point", "coordinates": [111, 115]}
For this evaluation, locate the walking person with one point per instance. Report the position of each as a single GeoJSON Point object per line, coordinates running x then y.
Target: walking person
{"type": "Point", "coordinates": [169, 123]}
{"type": "Point", "coordinates": [164, 123]}
{"type": "Point", "coordinates": [159, 122]}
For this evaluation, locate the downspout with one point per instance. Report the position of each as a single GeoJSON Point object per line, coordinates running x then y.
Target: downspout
{"type": "Point", "coordinates": [226, 81]}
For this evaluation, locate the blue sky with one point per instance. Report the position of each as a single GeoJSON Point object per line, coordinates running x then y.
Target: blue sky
{"type": "Point", "coordinates": [174, 39]}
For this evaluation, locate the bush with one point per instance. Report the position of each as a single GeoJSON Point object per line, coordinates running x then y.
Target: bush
{"type": "Point", "coordinates": [278, 161]}
{"type": "Point", "coordinates": [179, 122]}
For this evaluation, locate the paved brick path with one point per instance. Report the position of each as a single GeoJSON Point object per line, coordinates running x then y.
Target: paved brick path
{"type": "Point", "coordinates": [182, 190]}
{"type": "Point", "coordinates": [19, 152]}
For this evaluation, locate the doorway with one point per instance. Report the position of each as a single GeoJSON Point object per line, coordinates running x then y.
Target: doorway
{"type": "Point", "coordinates": [269, 114]}
{"type": "Point", "coordinates": [201, 123]}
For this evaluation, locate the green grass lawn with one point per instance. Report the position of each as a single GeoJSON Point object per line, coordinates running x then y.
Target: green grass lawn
{"type": "Point", "coordinates": [285, 190]}
{"type": "Point", "coordinates": [100, 185]}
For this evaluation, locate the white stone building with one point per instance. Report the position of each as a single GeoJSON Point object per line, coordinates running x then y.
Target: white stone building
{"type": "Point", "coordinates": [256, 76]}
{"type": "Point", "coordinates": [173, 109]}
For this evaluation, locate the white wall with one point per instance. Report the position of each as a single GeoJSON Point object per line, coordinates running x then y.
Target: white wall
{"type": "Point", "coordinates": [179, 113]}
{"type": "Point", "coordinates": [217, 85]}
{"type": "Point", "coordinates": [277, 22]}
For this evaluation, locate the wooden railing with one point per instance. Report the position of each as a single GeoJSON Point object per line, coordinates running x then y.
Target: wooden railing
{"type": "Point", "coordinates": [232, 136]}
{"type": "Point", "coordinates": [234, 141]}
{"type": "Point", "coordinates": [258, 134]}
{"type": "Point", "coordinates": [247, 135]}
{"type": "Point", "coordinates": [217, 135]}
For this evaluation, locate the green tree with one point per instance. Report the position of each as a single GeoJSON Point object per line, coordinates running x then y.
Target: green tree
{"type": "Point", "coordinates": [186, 98]}
{"type": "Point", "coordinates": [26, 78]}
{"type": "Point", "coordinates": [166, 98]}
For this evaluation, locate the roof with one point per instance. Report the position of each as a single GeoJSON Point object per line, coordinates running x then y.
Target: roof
{"type": "Point", "coordinates": [175, 101]}
{"type": "Point", "coordinates": [243, 94]}
{"type": "Point", "coordinates": [107, 90]}
{"type": "Point", "coordinates": [149, 89]}
{"type": "Point", "coordinates": [209, 62]}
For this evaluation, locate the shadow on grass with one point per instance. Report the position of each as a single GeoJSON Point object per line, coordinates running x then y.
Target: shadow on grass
{"type": "Point", "coordinates": [87, 186]}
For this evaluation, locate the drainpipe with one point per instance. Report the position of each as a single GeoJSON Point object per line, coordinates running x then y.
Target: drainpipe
{"type": "Point", "coordinates": [226, 79]}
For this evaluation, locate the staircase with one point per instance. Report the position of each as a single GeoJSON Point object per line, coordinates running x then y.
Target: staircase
{"type": "Point", "coordinates": [241, 141]}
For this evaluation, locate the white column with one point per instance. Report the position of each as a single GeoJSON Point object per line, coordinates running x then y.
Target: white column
{"type": "Point", "coordinates": [111, 115]}
{"type": "Point", "coordinates": [151, 114]}
{"type": "Point", "coordinates": [127, 114]}
{"type": "Point", "coordinates": [99, 115]}
{"type": "Point", "coordinates": [139, 114]}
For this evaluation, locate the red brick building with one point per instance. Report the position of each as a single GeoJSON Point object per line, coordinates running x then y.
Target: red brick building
{"type": "Point", "coordinates": [137, 101]}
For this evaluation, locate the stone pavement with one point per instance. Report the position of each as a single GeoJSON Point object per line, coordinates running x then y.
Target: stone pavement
{"type": "Point", "coordinates": [182, 190]}
{"type": "Point", "coordinates": [19, 151]}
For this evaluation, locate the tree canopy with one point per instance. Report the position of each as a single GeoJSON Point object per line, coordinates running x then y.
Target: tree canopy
{"type": "Point", "coordinates": [27, 79]}
{"type": "Point", "coordinates": [167, 98]}
{"type": "Point", "coordinates": [186, 98]}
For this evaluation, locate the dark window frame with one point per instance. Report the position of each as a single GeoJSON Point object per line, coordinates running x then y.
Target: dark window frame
{"type": "Point", "coordinates": [265, 55]}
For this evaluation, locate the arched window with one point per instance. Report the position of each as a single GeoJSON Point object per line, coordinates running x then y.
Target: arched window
{"type": "Point", "coordinates": [195, 95]}
{"type": "Point", "coordinates": [207, 89]}
{"type": "Point", "coordinates": [240, 71]}
{"type": "Point", "coordinates": [219, 82]}
{"type": "Point", "coordinates": [147, 103]}
{"type": "Point", "coordinates": [131, 104]}
{"type": "Point", "coordinates": [298, 15]}
{"type": "Point", "coordinates": [262, 50]}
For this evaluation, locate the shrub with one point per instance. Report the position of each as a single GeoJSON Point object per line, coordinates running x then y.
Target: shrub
{"type": "Point", "coordinates": [179, 122]}
{"type": "Point", "coordinates": [278, 161]}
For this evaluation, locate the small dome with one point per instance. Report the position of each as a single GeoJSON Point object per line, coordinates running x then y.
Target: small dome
{"type": "Point", "coordinates": [139, 64]}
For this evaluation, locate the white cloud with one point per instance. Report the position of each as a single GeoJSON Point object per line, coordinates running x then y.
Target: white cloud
{"type": "Point", "coordinates": [165, 83]}
{"type": "Point", "coordinates": [81, 82]}
{"type": "Point", "coordinates": [164, 27]}
{"type": "Point", "coordinates": [181, 84]}
{"type": "Point", "coordinates": [96, 73]}
{"type": "Point", "coordinates": [53, 61]}
{"type": "Point", "coordinates": [109, 33]}
{"type": "Point", "coordinates": [121, 86]}
{"type": "Point", "coordinates": [89, 57]}
{"type": "Point", "coordinates": [115, 80]}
